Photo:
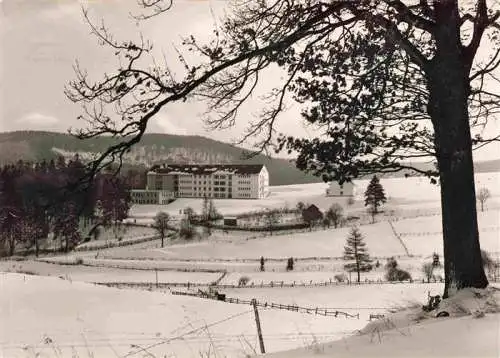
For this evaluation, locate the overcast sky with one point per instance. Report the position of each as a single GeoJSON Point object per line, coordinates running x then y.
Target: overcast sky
{"type": "Point", "coordinates": [41, 39]}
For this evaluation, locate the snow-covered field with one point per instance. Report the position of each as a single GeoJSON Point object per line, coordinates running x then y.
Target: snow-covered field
{"type": "Point", "coordinates": [472, 330]}
{"type": "Point", "coordinates": [65, 313]}
{"type": "Point", "coordinates": [409, 196]}
{"type": "Point", "coordinates": [55, 317]}
{"type": "Point", "coordinates": [51, 317]}
{"type": "Point", "coordinates": [322, 243]}
{"type": "Point", "coordinates": [106, 274]}
{"type": "Point", "coordinates": [423, 234]}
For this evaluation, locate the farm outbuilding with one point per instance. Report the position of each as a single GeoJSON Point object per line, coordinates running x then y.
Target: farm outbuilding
{"type": "Point", "coordinates": [312, 214]}
{"type": "Point", "coordinates": [336, 189]}
{"type": "Point", "coordinates": [230, 221]}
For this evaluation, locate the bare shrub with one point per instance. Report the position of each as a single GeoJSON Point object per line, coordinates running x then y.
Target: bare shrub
{"type": "Point", "coordinates": [483, 195]}
{"type": "Point", "coordinates": [340, 277]}
{"type": "Point", "coordinates": [488, 262]}
{"type": "Point", "coordinates": [428, 270]}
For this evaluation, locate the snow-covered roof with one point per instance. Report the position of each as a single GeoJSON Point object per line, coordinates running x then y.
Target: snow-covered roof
{"type": "Point", "coordinates": [207, 169]}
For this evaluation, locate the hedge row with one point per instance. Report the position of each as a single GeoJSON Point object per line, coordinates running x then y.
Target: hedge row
{"type": "Point", "coordinates": [108, 245]}
{"type": "Point", "coordinates": [261, 228]}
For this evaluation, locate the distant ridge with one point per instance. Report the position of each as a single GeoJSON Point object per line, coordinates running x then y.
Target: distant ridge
{"type": "Point", "coordinates": [153, 149]}
{"type": "Point", "coordinates": [165, 148]}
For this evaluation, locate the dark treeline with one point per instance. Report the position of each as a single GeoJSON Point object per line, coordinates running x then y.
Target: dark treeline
{"type": "Point", "coordinates": [46, 199]}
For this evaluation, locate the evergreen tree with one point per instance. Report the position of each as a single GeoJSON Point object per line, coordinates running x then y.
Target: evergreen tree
{"type": "Point", "coordinates": [374, 195]}
{"type": "Point", "coordinates": [355, 250]}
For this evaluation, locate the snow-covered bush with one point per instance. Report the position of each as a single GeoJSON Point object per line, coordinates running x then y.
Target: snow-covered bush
{"type": "Point", "coordinates": [393, 273]}
{"type": "Point", "coordinates": [243, 281]}
{"type": "Point", "coordinates": [340, 277]}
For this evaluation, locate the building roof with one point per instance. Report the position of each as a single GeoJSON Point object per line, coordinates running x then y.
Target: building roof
{"type": "Point", "coordinates": [312, 212]}
{"type": "Point", "coordinates": [207, 169]}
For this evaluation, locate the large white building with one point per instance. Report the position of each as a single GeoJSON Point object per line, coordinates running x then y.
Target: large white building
{"type": "Point", "coordinates": [232, 181]}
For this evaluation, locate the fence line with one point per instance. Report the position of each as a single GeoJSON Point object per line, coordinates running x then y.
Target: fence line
{"type": "Point", "coordinates": [398, 236]}
{"type": "Point", "coordinates": [203, 260]}
{"type": "Point", "coordinates": [422, 233]}
{"type": "Point", "coordinates": [271, 284]}
{"type": "Point", "coordinates": [293, 308]}
{"type": "Point", "coordinates": [109, 245]}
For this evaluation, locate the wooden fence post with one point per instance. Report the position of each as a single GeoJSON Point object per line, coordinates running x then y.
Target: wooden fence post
{"type": "Point", "coordinates": [257, 323]}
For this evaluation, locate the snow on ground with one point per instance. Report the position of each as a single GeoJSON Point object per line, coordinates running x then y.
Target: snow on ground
{"type": "Point", "coordinates": [414, 195]}
{"type": "Point", "coordinates": [380, 240]}
{"type": "Point", "coordinates": [105, 274]}
{"type": "Point", "coordinates": [299, 276]}
{"type": "Point", "coordinates": [422, 235]}
{"type": "Point", "coordinates": [457, 338]}
{"type": "Point", "coordinates": [354, 299]}
{"type": "Point", "coordinates": [174, 271]}
{"type": "Point", "coordinates": [411, 333]}
{"type": "Point", "coordinates": [55, 317]}
{"type": "Point", "coordinates": [37, 310]}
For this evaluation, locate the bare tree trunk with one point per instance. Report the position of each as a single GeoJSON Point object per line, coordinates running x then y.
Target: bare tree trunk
{"type": "Point", "coordinates": [37, 245]}
{"type": "Point", "coordinates": [449, 90]}
{"type": "Point", "coordinates": [357, 262]}
{"type": "Point", "coordinates": [12, 244]}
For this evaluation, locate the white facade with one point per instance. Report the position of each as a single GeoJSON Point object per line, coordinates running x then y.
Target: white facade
{"type": "Point", "coordinates": [336, 189]}
{"type": "Point", "coordinates": [218, 181]}
{"type": "Point", "coordinates": [153, 197]}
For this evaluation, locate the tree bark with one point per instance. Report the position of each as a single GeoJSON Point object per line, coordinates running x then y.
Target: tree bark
{"type": "Point", "coordinates": [357, 261]}
{"type": "Point", "coordinates": [12, 244]}
{"type": "Point", "coordinates": [449, 89]}
{"type": "Point", "coordinates": [37, 245]}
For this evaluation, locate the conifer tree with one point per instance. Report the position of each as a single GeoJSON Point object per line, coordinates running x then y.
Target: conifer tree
{"type": "Point", "coordinates": [355, 250]}
{"type": "Point", "coordinates": [374, 195]}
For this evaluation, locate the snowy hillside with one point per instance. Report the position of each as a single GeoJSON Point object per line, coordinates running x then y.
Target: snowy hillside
{"type": "Point", "coordinates": [67, 315]}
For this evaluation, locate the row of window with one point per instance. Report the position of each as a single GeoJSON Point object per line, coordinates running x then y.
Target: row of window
{"type": "Point", "coordinates": [145, 194]}
{"type": "Point", "coordinates": [146, 201]}
{"type": "Point", "coordinates": [244, 189]}
{"type": "Point", "coordinates": [219, 195]}
{"type": "Point", "coordinates": [219, 182]}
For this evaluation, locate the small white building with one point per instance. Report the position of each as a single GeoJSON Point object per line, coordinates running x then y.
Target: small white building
{"type": "Point", "coordinates": [152, 197]}
{"type": "Point", "coordinates": [346, 189]}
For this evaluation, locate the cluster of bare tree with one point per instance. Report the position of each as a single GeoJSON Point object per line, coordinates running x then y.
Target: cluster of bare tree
{"type": "Point", "coordinates": [47, 198]}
